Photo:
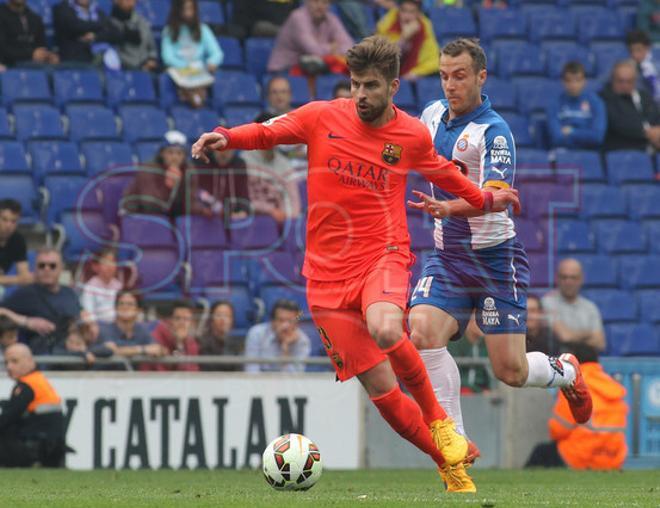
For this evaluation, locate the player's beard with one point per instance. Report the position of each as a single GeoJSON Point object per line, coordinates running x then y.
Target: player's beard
{"type": "Point", "coordinates": [371, 112]}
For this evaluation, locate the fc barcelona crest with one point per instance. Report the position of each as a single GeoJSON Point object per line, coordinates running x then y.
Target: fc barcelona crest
{"type": "Point", "coordinates": [392, 153]}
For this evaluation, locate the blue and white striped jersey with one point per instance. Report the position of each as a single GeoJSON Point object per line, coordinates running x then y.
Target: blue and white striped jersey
{"type": "Point", "coordinates": [483, 141]}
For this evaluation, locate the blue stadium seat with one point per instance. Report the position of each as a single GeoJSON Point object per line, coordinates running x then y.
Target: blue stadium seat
{"type": "Point", "coordinates": [602, 201]}
{"type": "Point", "coordinates": [12, 158]}
{"type": "Point", "coordinates": [639, 272]}
{"type": "Point", "coordinates": [632, 340]}
{"type": "Point", "coordinates": [607, 54]}
{"type": "Point", "coordinates": [429, 89]}
{"type": "Point", "coordinates": [317, 349]}
{"type": "Point", "coordinates": [257, 53]}
{"type": "Point", "coordinates": [532, 158]}
{"type": "Point", "coordinates": [244, 307]}
{"type": "Point", "coordinates": [104, 155]}
{"type": "Point", "coordinates": [574, 236]}
{"type": "Point", "coordinates": [500, 92]}
{"type": "Point", "coordinates": [540, 272]}
{"type": "Point", "coordinates": [143, 123]}
{"type": "Point", "coordinates": [167, 93]}
{"type": "Point", "coordinates": [146, 150]}
{"type": "Point", "coordinates": [325, 83]}
{"type": "Point", "coordinates": [531, 233]}
{"type": "Point", "coordinates": [148, 231]}
{"type": "Point", "coordinates": [54, 157]}
{"type": "Point", "coordinates": [558, 57]}
{"type": "Point", "coordinates": [277, 268]}
{"type": "Point", "coordinates": [503, 23]}
{"type": "Point", "coordinates": [86, 232]}
{"type": "Point", "coordinates": [599, 26]}
{"type": "Point", "coordinates": [63, 193]}
{"type": "Point", "coordinates": [238, 115]}
{"type": "Point", "coordinates": [235, 88]}
{"type": "Point", "coordinates": [91, 121]}
{"type": "Point", "coordinates": [231, 49]}
{"type": "Point", "coordinates": [159, 272]}
{"type": "Point", "coordinates": [527, 61]}
{"type": "Point", "coordinates": [599, 270]}
{"type": "Point", "coordinates": [22, 189]}
{"type": "Point", "coordinates": [130, 86]}
{"type": "Point", "coordinates": [270, 295]}
{"type": "Point", "coordinates": [194, 122]}
{"type": "Point", "coordinates": [295, 235]}
{"type": "Point", "coordinates": [648, 305]}
{"type": "Point", "coordinates": [452, 22]}
{"type": "Point", "coordinates": [259, 232]}
{"type": "Point", "coordinates": [38, 121]}
{"type": "Point", "coordinates": [519, 127]}
{"type": "Point", "coordinates": [620, 237]}
{"type": "Point", "coordinates": [653, 231]}
{"type": "Point", "coordinates": [643, 200]}
{"type": "Point", "coordinates": [156, 12]}
{"type": "Point", "coordinates": [299, 90]}
{"type": "Point", "coordinates": [405, 97]}
{"type": "Point", "coordinates": [24, 85]}
{"type": "Point", "coordinates": [44, 9]}
{"type": "Point", "coordinates": [535, 94]}
{"type": "Point", "coordinates": [627, 166]}
{"type": "Point", "coordinates": [211, 13]}
{"type": "Point", "coordinates": [77, 85]}
{"type": "Point", "coordinates": [5, 129]}
{"type": "Point", "coordinates": [551, 25]}
{"type": "Point", "coordinates": [587, 162]}
{"type": "Point", "coordinates": [211, 268]}
{"type": "Point", "coordinates": [199, 232]}
{"type": "Point", "coordinates": [614, 304]}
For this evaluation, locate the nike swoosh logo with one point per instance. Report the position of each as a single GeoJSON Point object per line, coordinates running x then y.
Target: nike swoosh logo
{"type": "Point", "coordinates": [334, 136]}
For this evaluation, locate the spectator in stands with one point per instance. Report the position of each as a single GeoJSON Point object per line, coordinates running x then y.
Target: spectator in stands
{"type": "Point", "coordinates": [575, 320]}
{"type": "Point", "coordinates": [311, 41]}
{"type": "Point", "coordinates": [633, 118]}
{"type": "Point", "coordinates": [137, 47]}
{"type": "Point", "coordinates": [8, 332]}
{"type": "Point", "coordinates": [125, 336]}
{"type": "Point", "coordinates": [413, 32]}
{"type": "Point", "coordinates": [84, 33]}
{"type": "Point", "coordinates": [576, 118]}
{"type": "Point", "coordinates": [342, 90]}
{"type": "Point", "coordinates": [354, 18]}
{"type": "Point", "coordinates": [539, 334]}
{"type": "Point", "coordinates": [216, 338]}
{"type": "Point", "coordinates": [599, 444]}
{"type": "Point", "coordinates": [38, 325]}
{"type": "Point", "coordinates": [262, 18]}
{"type": "Point", "coordinates": [177, 336]}
{"type": "Point", "coordinates": [272, 189]}
{"type": "Point", "coordinates": [278, 94]}
{"type": "Point", "coordinates": [280, 338]}
{"type": "Point", "coordinates": [13, 250]}
{"type": "Point", "coordinates": [190, 51]}
{"type": "Point", "coordinates": [47, 299]}
{"type": "Point", "coordinates": [23, 36]}
{"type": "Point", "coordinates": [75, 345]}
{"type": "Point", "coordinates": [648, 18]}
{"type": "Point", "coordinates": [159, 189]}
{"type": "Point", "coordinates": [641, 51]}
{"type": "Point", "coordinates": [99, 293]}
{"type": "Point", "coordinates": [32, 429]}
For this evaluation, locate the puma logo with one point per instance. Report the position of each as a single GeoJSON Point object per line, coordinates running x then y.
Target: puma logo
{"type": "Point", "coordinates": [515, 318]}
{"type": "Point", "coordinates": [500, 171]}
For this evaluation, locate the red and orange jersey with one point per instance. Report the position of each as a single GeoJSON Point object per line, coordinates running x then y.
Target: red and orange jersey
{"type": "Point", "coordinates": [356, 181]}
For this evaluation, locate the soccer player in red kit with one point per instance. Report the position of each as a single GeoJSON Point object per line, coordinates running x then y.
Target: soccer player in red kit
{"type": "Point", "coordinates": [360, 151]}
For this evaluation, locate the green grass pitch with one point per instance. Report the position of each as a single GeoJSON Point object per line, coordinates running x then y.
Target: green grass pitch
{"type": "Point", "coordinates": [402, 488]}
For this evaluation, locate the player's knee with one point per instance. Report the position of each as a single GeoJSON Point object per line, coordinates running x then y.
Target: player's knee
{"type": "Point", "coordinates": [386, 334]}
{"type": "Point", "coordinates": [512, 375]}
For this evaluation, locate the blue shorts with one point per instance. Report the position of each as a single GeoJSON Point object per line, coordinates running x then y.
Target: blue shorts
{"type": "Point", "coordinates": [493, 282]}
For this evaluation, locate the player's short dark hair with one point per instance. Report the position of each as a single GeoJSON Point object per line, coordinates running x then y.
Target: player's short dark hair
{"type": "Point", "coordinates": [375, 52]}
{"type": "Point", "coordinates": [467, 45]}
{"type": "Point", "coordinates": [7, 325]}
{"type": "Point", "coordinates": [10, 204]}
{"type": "Point", "coordinates": [284, 304]}
{"type": "Point", "coordinates": [342, 85]}
{"type": "Point", "coordinates": [638, 37]}
{"type": "Point", "coordinates": [573, 67]}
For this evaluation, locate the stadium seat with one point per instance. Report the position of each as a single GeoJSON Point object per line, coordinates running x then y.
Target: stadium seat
{"type": "Point", "coordinates": [167, 93]}
{"type": "Point", "coordinates": [599, 26]}
{"type": "Point", "coordinates": [159, 270]}
{"type": "Point", "coordinates": [607, 54]}
{"type": "Point", "coordinates": [531, 233]}
{"type": "Point", "coordinates": [648, 305]}
{"type": "Point", "coordinates": [317, 349]}
{"type": "Point", "coordinates": [532, 158]}
{"type": "Point", "coordinates": [146, 150]}
{"type": "Point", "coordinates": [527, 61]}
{"type": "Point", "coordinates": [44, 9]}
{"type": "Point", "coordinates": [86, 232]}
{"type": "Point", "coordinates": [257, 53]}
{"type": "Point", "coordinates": [63, 194]}
{"type": "Point", "coordinates": [143, 123]}
{"type": "Point", "coordinates": [421, 232]}
{"type": "Point", "coordinates": [550, 25]}
{"type": "Point", "coordinates": [558, 57]}
{"type": "Point", "coordinates": [587, 162]}
{"type": "Point", "coordinates": [599, 270]}
{"type": "Point", "coordinates": [452, 22]}
{"type": "Point", "coordinates": [628, 166]}
{"type": "Point", "coordinates": [149, 231]}
{"type": "Point", "coordinates": [277, 268]}
{"type": "Point", "coordinates": [574, 236]}
{"type": "Point", "coordinates": [503, 23]}
{"type": "Point", "coordinates": [22, 189]}
{"type": "Point", "coordinates": [632, 340]}
{"type": "Point", "coordinates": [129, 87]}
{"type": "Point", "coordinates": [105, 155]}
{"type": "Point", "coordinates": [294, 233]}
{"type": "Point", "coordinates": [325, 83]}
{"type": "Point", "coordinates": [643, 200]}
{"type": "Point", "coordinates": [238, 115]}
{"type": "Point", "coordinates": [602, 201]}
{"type": "Point", "coordinates": [38, 121]}
{"type": "Point", "coordinates": [235, 88]}
{"type": "Point", "coordinates": [535, 94]}
{"type": "Point", "coordinates": [405, 97]}
{"type": "Point", "coordinates": [429, 90]}
{"type": "Point", "coordinates": [199, 232]}
{"type": "Point", "coordinates": [500, 92]}
{"type": "Point", "coordinates": [653, 231]}
{"type": "Point", "coordinates": [258, 232]}
{"type": "Point", "coordinates": [620, 237]}
{"type": "Point", "coordinates": [13, 158]}
{"type": "Point", "coordinates": [231, 49]}
{"type": "Point", "coordinates": [91, 121]}
{"type": "Point", "coordinates": [639, 272]}
{"type": "Point", "coordinates": [54, 157]}
{"type": "Point", "coordinates": [520, 128]}
{"type": "Point", "coordinates": [270, 295]}
{"type": "Point", "coordinates": [5, 129]}
{"type": "Point", "coordinates": [156, 12]}
{"type": "Point", "coordinates": [614, 304]}
{"type": "Point", "coordinates": [110, 190]}
{"type": "Point", "coordinates": [211, 13]}
{"type": "Point", "coordinates": [194, 122]}
{"type": "Point", "coordinates": [244, 307]}
{"type": "Point", "coordinates": [540, 273]}
{"type": "Point", "coordinates": [299, 90]}
{"type": "Point", "coordinates": [210, 267]}
{"type": "Point", "coordinates": [24, 85]}
{"type": "Point", "coordinates": [77, 85]}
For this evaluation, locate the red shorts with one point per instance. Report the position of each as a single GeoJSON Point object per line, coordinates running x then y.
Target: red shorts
{"type": "Point", "coordinates": [339, 308]}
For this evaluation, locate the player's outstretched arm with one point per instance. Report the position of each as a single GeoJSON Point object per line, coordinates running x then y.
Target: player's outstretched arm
{"type": "Point", "coordinates": [502, 199]}
{"type": "Point", "coordinates": [208, 141]}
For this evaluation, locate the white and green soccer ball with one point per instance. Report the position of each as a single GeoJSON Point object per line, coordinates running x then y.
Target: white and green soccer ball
{"type": "Point", "coordinates": [292, 462]}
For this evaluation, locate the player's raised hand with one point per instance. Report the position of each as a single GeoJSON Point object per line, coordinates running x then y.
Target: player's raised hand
{"type": "Point", "coordinates": [210, 141]}
{"type": "Point", "coordinates": [503, 198]}
{"type": "Point", "coordinates": [430, 205]}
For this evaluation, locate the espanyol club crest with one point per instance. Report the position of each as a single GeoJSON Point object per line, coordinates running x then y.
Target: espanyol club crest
{"type": "Point", "coordinates": [462, 144]}
{"type": "Point", "coordinates": [392, 153]}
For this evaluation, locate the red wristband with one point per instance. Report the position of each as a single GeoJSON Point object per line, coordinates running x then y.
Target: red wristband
{"type": "Point", "coordinates": [488, 201]}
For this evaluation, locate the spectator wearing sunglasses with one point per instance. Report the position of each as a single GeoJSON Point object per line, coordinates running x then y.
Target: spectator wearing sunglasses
{"type": "Point", "coordinates": [46, 298]}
